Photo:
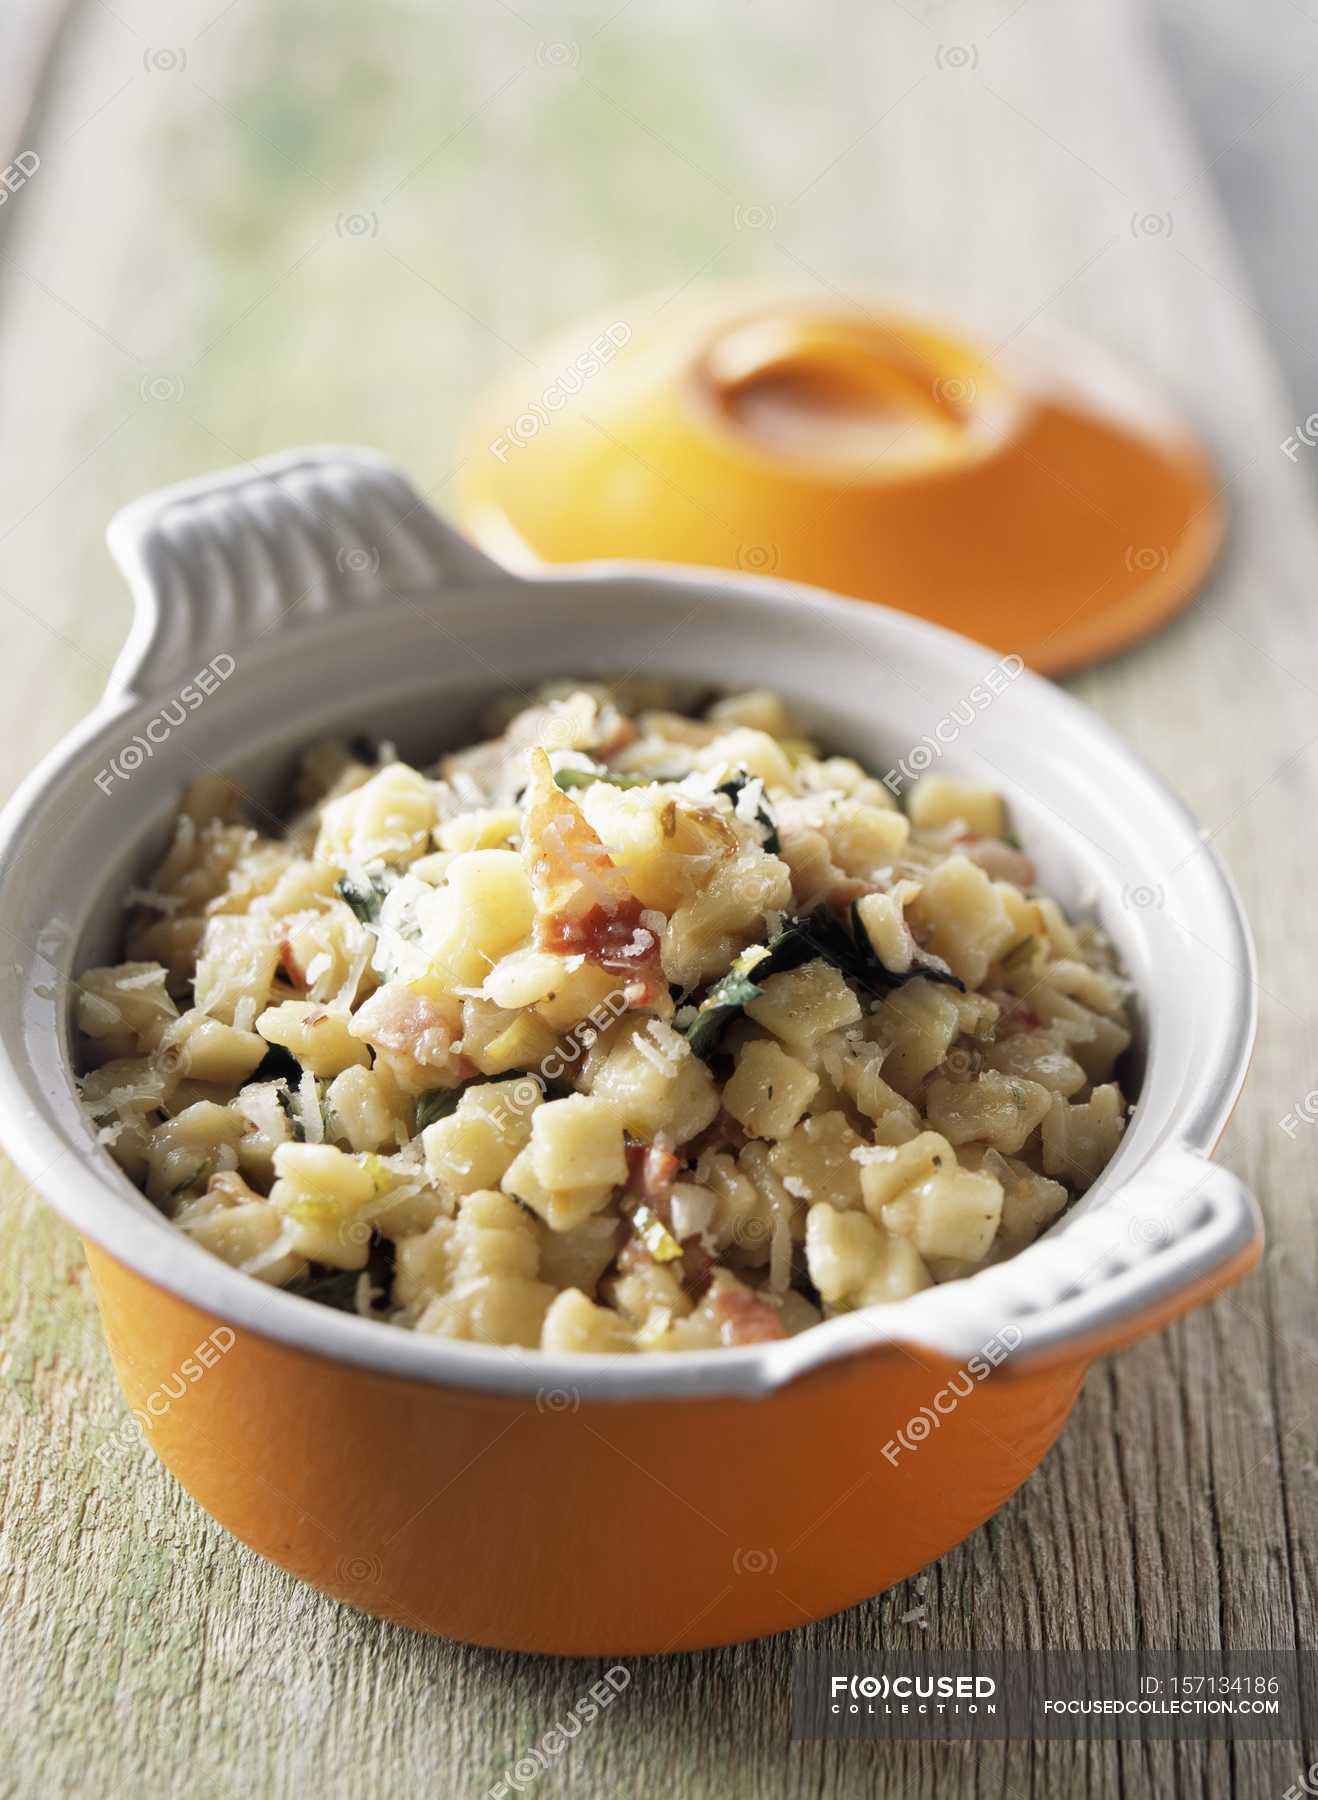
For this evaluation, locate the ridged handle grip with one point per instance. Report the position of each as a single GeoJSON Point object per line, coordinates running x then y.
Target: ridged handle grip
{"type": "Point", "coordinates": [1179, 1231]}
{"type": "Point", "coordinates": [216, 563]}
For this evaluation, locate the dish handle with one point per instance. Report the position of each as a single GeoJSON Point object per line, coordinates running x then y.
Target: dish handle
{"type": "Point", "coordinates": [1180, 1230]}
{"type": "Point", "coordinates": [217, 562]}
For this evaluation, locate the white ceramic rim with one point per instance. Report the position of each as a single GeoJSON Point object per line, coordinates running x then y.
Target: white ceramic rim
{"type": "Point", "coordinates": [1115, 1257]}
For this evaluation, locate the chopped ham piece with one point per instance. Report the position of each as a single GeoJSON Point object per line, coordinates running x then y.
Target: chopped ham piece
{"type": "Point", "coordinates": [742, 1317]}
{"type": "Point", "coordinates": [1000, 861]}
{"type": "Point", "coordinates": [697, 1267]}
{"type": "Point", "coordinates": [1016, 1013]}
{"type": "Point", "coordinates": [650, 1175]}
{"type": "Point", "coordinates": [397, 1018]}
{"type": "Point", "coordinates": [582, 902]}
{"type": "Point", "coordinates": [290, 965]}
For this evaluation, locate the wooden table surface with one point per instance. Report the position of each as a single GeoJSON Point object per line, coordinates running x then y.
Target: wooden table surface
{"type": "Point", "coordinates": [257, 225]}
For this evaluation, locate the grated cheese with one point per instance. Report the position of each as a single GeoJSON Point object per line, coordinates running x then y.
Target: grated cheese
{"type": "Point", "coordinates": [307, 1103]}
{"type": "Point", "coordinates": [97, 1010]}
{"type": "Point", "coordinates": [148, 978]}
{"type": "Point", "coordinates": [272, 1253]}
{"type": "Point", "coordinates": [357, 967]}
{"type": "Point", "coordinates": [780, 1255]}
{"type": "Point", "coordinates": [661, 1047]}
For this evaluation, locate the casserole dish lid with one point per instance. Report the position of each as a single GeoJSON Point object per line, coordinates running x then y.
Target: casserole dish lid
{"type": "Point", "coordinates": [1034, 495]}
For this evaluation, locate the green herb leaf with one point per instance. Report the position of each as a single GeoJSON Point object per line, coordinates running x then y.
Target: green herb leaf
{"type": "Point", "coordinates": [198, 1178]}
{"type": "Point", "coordinates": [729, 994]}
{"type": "Point", "coordinates": [619, 778]}
{"type": "Point", "coordinates": [338, 1287]}
{"type": "Point", "coordinates": [817, 935]}
{"type": "Point", "coordinates": [365, 892]}
{"type": "Point", "coordinates": [883, 979]}
{"type": "Point", "coordinates": [278, 1064]}
{"type": "Point", "coordinates": [655, 1235]}
{"type": "Point", "coordinates": [441, 1103]}
{"type": "Point", "coordinates": [285, 1099]}
{"type": "Point", "coordinates": [438, 1103]}
{"type": "Point", "coordinates": [733, 789]}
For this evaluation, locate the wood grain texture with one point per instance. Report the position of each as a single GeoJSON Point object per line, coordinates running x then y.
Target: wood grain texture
{"type": "Point", "coordinates": [257, 226]}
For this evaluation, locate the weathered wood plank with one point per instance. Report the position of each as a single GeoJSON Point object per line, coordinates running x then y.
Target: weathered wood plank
{"type": "Point", "coordinates": [338, 230]}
